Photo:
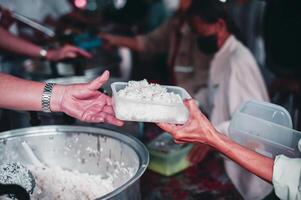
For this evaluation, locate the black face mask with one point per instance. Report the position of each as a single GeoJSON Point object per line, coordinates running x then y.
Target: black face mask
{"type": "Point", "coordinates": [207, 44]}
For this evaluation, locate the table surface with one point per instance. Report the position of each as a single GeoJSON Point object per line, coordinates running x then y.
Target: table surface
{"type": "Point", "coordinates": [206, 180]}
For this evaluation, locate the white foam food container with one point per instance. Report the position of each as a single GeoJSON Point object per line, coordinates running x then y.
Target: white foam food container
{"type": "Point", "coordinates": [265, 128]}
{"type": "Point", "coordinates": [143, 111]}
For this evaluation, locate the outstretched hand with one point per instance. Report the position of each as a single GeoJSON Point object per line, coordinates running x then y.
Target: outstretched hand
{"type": "Point", "coordinates": [85, 102]}
{"type": "Point", "coordinates": [196, 129]}
{"type": "Point", "coordinates": [65, 52]}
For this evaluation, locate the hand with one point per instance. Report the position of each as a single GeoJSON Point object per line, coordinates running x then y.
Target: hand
{"type": "Point", "coordinates": [6, 18]}
{"type": "Point", "coordinates": [67, 51]}
{"type": "Point", "coordinates": [196, 129]}
{"type": "Point", "coordinates": [198, 153]}
{"type": "Point", "coordinates": [85, 102]}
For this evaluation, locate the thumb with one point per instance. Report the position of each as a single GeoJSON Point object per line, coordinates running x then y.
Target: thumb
{"type": "Point", "coordinates": [98, 82]}
{"type": "Point", "coordinates": [191, 105]}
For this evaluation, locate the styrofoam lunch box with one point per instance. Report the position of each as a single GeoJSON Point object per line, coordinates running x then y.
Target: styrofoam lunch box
{"type": "Point", "coordinates": [143, 111]}
{"type": "Point", "coordinates": [265, 128]}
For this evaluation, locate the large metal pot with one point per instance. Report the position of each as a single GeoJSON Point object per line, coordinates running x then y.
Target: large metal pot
{"type": "Point", "coordinates": [70, 147]}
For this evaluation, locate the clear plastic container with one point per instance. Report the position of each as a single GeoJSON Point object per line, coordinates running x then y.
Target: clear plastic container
{"type": "Point", "coordinates": [265, 128]}
{"type": "Point", "coordinates": [143, 111]}
{"type": "Point", "coordinates": [166, 157]}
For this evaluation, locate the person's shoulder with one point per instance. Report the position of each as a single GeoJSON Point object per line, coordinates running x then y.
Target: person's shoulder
{"type": "Point", "coordinates": [241, 56]}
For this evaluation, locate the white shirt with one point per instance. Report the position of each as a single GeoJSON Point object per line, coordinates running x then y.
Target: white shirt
{"type": "Point", "coordinates": [287, 177]}
{"type": "Point", "coordinates": [234, 78]}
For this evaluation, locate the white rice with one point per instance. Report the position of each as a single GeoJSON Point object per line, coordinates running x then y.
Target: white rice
{"type": "Point", "coordinates": [141, 101]}
{"type": "Point", "coordinates": [144, 91]}
{"type": "Point", "coordinates": [58, 184]}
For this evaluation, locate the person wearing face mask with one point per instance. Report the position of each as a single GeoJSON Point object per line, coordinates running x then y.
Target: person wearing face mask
{"type": "Point", "coordinates": [187, 65]}
{"type": "Point", "coordinates": [234, 78]}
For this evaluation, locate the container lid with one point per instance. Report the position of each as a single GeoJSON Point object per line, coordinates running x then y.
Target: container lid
{"type": "Point", "coordinates": [267, 111]}
{"type": "Point", "coordinates": [265, 128]}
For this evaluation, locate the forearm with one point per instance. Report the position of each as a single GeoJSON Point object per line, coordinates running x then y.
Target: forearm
{"type": "Point", "coordinates": [255, 163]}
{"type": "Point", "coordinates": [20, 94]}
{"type": "Point", "coordinates": [130, 42]}
{"type": "Point", "coordinates": [17, 45]}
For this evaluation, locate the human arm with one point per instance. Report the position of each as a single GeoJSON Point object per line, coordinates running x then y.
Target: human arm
{"type": "Point", "coordinates": [199, 130]}
{"type": "Point", "coordinates": [156, 41]}
{"type": "Point", "coordinates": [129, 42]}
{"type": "Point", "coordinates": [17, 45]}
{"type": "Point", "coordinates": [81, 101]}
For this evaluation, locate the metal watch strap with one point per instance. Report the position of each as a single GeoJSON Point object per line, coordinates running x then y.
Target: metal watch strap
{"type": "Point", "coordinates": [46, 96]}
{"type": "Point", "coordinates": [43, 53]}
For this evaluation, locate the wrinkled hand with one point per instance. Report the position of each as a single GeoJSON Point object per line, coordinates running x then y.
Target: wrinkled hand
{"type": "Point", "coordinates": [85, 102]}
{"type": "Point", "coordinates": [66, 51]}
{"type": "Point", "coordinates": [196, 129]}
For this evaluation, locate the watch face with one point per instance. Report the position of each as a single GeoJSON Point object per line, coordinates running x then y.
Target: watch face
{"type": "Point", "coordinates": [43, 53]}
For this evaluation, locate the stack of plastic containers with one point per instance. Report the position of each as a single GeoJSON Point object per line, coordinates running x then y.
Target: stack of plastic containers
{"type": "Point", "coordinates": [265, 128]}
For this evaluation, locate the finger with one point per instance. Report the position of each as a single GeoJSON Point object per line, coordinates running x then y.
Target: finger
{"type": "Point", "coordinates": [112, 120]}
{"type": "Point", "coordinates": [179, 142]}
{"type": "Point", "coordinates": [191, 105]}
{"type": "Point", "coordinates": [98, 82]}
{"type": "Point", "coordinates": [77, 51]}
{"type": "Point", "coordinates": [170, 128]}
{"type": "Point", "coordinates": [108, 109]}
{"type": "Point", "coordinates": [96, 108]}
{"type": "Point", "coordinates": [70, 54]}
{"type": "Point", "coordinates": [91, 117]}
{"type": "Point", "coordinates": [109, 101]}
{"type": "Point", "coordinates": [82, 52]}
{"type": "Point", "coordinates": [87, 116]}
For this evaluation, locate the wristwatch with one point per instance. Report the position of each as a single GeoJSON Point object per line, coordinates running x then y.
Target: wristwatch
{"type": "Point", "coordinates": [46, 97]}
{"type": "Point", "coordinates": [43, 53]}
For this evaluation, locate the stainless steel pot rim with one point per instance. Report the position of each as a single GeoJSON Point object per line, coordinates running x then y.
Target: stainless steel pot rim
{"type": "Point", "coordinates": [134, 143]}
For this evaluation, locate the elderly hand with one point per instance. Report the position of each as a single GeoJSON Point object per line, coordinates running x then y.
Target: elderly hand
{"type": "Point", "coordinates": [85, 102]}
{"type": "Point", "coordinates": [196, 129]}
{"type": "Point", "coordinates": [67, 51]}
